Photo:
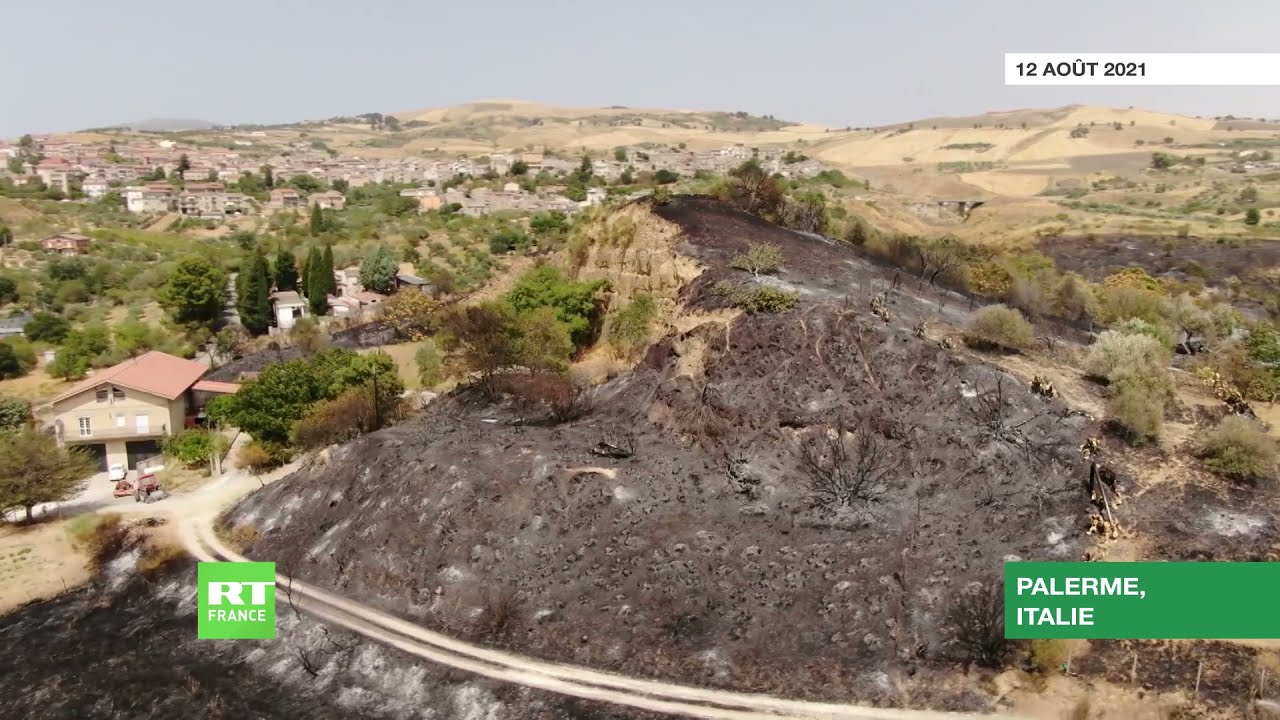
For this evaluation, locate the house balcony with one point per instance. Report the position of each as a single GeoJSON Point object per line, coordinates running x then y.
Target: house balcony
{"type": "Point", "coordinates": [113, 433]}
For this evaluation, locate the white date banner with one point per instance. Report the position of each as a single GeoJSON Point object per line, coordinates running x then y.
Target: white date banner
{"type": "Point", "coordinates": [1142, 68]}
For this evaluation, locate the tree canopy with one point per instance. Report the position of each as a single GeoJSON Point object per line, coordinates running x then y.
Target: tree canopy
{"type": "Point", "coordinates": [286, 270]}
{"type": "Point", "coordinates": [320, 280]}
{"type": "Point", "coordinates": [46, 327]}
{"type": "Point", "coordinates": [268, 406]}
{"type": "Point", "coordinates": [378, 270]}
{"type": "Point", "coordinates": [253, 293]}
{"type": "Point", "coordinates": [574, 302]}
{"type": "Point", "coordinates": [34, 470]}
{"type": "Point", "coordinates": [195, 292]}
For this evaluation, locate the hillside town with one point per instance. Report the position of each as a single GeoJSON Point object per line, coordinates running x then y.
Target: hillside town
{"type": "Point", "coordinates": [155, 175]}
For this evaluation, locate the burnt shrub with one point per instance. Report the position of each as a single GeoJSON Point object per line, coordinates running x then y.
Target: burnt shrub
{"type": "Point", "coordinates": [997, 327]}
{"type": "Point", "coordinates": [101, 537]}
{"type": "Point", "coordinates": [334, 421]}
{"type": "Point", "coordinates": [157, 557]}
{"type": "Point", "coordinates": [545, 395]}
{"type": "Point", "coordinates": [260, 456]}
{"type": "Point", "coordinates": [1238, 449]}
{"type": "Point", "coordinates": [975, 623]}
{"type": "Point", "coordinates": [1046, 655]}
{"type": "Point", "coordinates": [756, 298]}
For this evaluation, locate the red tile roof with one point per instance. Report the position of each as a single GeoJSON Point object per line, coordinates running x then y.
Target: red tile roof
{"type": "Point", "coordinates": [213, 386]}
{"type": "Point", "coordinates": [154, 373]}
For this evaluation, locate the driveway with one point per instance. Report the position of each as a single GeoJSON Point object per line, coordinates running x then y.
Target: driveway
{"type": "Point", "coordinates": [95, 495]}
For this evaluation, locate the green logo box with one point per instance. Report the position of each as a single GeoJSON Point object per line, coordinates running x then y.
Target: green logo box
{"type": "Point", "coordinates": [1142, 600]}
{"type": "Point", "coordinates": [237, 601]}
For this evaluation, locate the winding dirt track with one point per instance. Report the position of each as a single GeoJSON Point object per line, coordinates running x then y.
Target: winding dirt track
{"type": "Point", "coordinates": [198, 538]}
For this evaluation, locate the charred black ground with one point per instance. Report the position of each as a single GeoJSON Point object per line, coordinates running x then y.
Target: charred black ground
{"type": "Point", "coordinates": [707, 553]}
{"type": "Point", "coordinates": [125, 648]}
{"type": "Point", "coordinates": [1249, 261]}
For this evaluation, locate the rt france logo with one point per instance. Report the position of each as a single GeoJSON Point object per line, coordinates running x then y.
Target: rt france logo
{"type": "Point", "coordinates": [237, 601]}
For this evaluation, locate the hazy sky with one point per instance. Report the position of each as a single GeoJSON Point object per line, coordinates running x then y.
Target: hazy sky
{"type": "Point", "coordinates": [73, 64]}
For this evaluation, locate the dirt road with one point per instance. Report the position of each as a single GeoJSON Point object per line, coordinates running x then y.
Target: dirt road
{"type": "Point", "coordinates": [193, 515]}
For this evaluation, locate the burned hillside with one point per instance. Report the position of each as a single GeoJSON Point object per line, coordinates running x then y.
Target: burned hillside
{"type": "Point", "coordinates": [774, 502]}
{"type": "Point", "coordinates": [125, 648]}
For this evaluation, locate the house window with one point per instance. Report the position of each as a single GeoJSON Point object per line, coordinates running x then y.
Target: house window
{"type": "Point", "coordinates": [102, 394]}
{"type": "Point", "coordinates": [85, 428]}
{"type": "Point", "coordinates": [117, 393]}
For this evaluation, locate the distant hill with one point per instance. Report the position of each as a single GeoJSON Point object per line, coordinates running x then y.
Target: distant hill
{"type": "Point", "coordinates": [170, 125]}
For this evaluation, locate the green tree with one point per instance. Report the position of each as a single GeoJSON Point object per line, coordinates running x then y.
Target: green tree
{"type": "Point", "coordinates": [70, 268]}
{"type": "Point", "coordinates": [68, 364]}
{"type": "Point", "coordinates": [378, 270]}
{"type": "Point", "coordinates": [544, 342]}
{"type": "Point", "coordinates": [6, 235]}
{"type": "Point", "coordinates": [574, 302]}
{"type": "Point", "coordinates": [308, 267]}
{"type": "Point", "coordinates": [10, 367]}
{"type": "Point", "coordinates": [246, 239]}
{"type": "Point", "coordinates": [519, 167]}
{"type": "Point", "coordinates": [22, 353]}
{"type": "Point", "coordinates": [485, 338]}
{"type": "Point", "coordinates": [665, 177]}
{"type": "Point", "coordinates": [507, 238]}
{"type": "Point", "coordinates": [575, 191]}
{"type": "Point", "coordinates": [549, 223]}
{"type": "Point", "coordinates": [254, 294]}
{"type": "Point", "coordinates": [46, 327]}
{"type": "Point", "coordinates": [34, 470]}
{"type": "Point", "coordinates": [195, 292]}
{"type": "Point", "coordinates": [14, 413]}
{"type": "Point", "coordinates": [134, 337]}
{"type": "Point", "coordinates": [585, 170]}
{"type": "Point", "coordinates": [317, 220]}
{"type": "Point", "coordinates": [8, 290]}
{"type": "Point", "coordinates": [268, 177]}
{"type": "Point", "coordinates": [410, 254]}
{"type": "Point", "coordinates": [286, 275]}
{"type": "Point", "coordinates": [268, 407]}
{"type": "Point", "coordinates": [193, 447]}
{"type": "Point", "coordinates": [430, 362]}
{"type": "Point", "coordinates": [1264, 344]}
{"type": "Point", "coordinates": [628, 328]}
{"type": "Point", "coordinates": [306, 183]}
{"type": "Point", "coordinates": [1252, 216]}
{"type": "Point", "coordinates": [320, 281]}
{"type": "Point", "coordinates": [326, 263]}
{"type": "Point", "coordinates": [620, 154]}
{"type": "Point", "coordinates": [184, 164]}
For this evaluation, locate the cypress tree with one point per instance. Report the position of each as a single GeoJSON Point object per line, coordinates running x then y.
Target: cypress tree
{"type": "Point", "coordinates": [308, 269]}
{"type": "Point", "coordinates": [330, 284]}
{"type": "Point", "coordinates": [254, 302]}
{"type": "Point", "coordinates": [317, 220]}
{"type": "Point", "coordinates": [317, 288]}
{"type": "Point", "coordinates": [286, 276]}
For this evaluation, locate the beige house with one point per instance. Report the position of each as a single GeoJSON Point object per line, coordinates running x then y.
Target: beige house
{"type": "Point", "coordinates": [120, 414]}
{"type": "Point", "coordinates": [285, 199]}
{"type": "Point", "coordinates": [66, 243]}
{"type": "Point", "coordinates": [328, 200]}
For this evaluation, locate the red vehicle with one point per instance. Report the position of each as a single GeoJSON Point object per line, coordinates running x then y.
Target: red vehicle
{"type": "Point", "coordinates": [140, 491]}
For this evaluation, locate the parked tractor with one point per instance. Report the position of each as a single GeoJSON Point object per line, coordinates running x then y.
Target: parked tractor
{"type": "Point", "coordinates": [143, 490]}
